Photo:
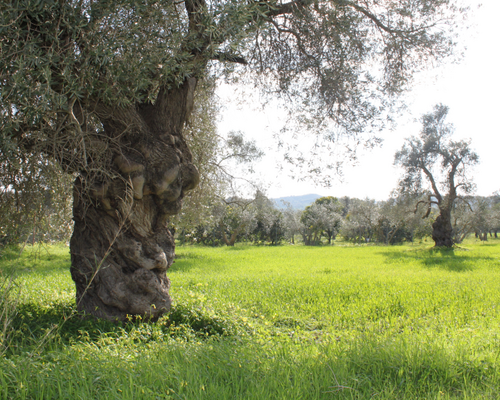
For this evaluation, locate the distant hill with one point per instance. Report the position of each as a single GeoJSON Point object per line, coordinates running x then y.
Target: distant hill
{"type": "Point", "coordinates": [297, 202]}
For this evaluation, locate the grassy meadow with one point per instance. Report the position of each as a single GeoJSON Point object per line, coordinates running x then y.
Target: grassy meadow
{"type": "Point", "coordinates": [288, 322]}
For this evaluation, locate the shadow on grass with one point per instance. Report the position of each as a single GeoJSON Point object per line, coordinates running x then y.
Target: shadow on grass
{"type": "Point", "coordinates": [450, 259]}
{"type": "Point", "coordinates": [488, 244]}
{"type": "Point", "coordinates": [236, 248]}
{"type": "Point", "coordinates": [59, 323]}
{"type": "Point", "coordinates": [34, 321]}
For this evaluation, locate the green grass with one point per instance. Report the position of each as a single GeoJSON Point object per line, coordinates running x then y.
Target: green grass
{"type": "Point", "coordinates": [291, 322]}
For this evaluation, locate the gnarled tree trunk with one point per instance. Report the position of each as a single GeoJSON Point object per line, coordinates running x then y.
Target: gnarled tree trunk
{"type": "Point", "coordinates": [442, 230]}
{"type": "Point", "coordinates": [121, 247]}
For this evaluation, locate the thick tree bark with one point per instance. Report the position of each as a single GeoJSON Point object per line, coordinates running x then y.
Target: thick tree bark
{"type": "Point", "coordinates": [232, 240]}
{"type": "Point", "coordinates": [306, 239]}
{"type": "Point", "coordinates": [121, 247]}
{"type": "Point", "coordinates": [442, 230]}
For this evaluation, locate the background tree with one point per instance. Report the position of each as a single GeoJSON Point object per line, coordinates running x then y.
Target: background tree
{"type": "Point", "coordinates": [482, 216]}
{"type": "Point", "coordinates": [34, 201]}
{"type": "Point", "coordinates": [495, 213]}
{"type": "Point", "coordinates": [398, 220]}
{"type": "Point", "coordinates": [291, 221]}
{"type": "Point", "coordinates": [235, 219]}
{"type": "Point", "coordinates": [323, 217]}
{"type": "Point", "coordinates": [439, 166]}
{"type": "Point", "coordinates": [311, 225]}
{"type": "Point", "coordinates": [395, 215]}
{"type": "Point", "coordinates": [105, 88]}
{"type": "Point", "coordinates": [361, 222]}
{"type": "Point", "coordinates": [465, 216]}
{"type": "Point", "coordinates": [475, 214]}
{"type": "Point", "coordinates": [269, 220]}
{"type": "Point", "coordinates": [333, 216]}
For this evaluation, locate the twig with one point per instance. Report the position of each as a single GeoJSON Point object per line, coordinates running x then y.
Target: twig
{"type": "Point", "coordinates": [338, 387]}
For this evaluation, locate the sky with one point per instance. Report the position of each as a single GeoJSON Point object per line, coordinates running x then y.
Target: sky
{"type": "Point", "coordinates": [470, 89]}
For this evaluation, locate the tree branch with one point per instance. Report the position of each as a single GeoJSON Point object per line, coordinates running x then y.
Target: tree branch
{"type": "Point", "coordinates": [229, 57]}
{"type": "Point", "coordinates": [287, 8]}
{"type": "Point", "coordinates": [371, 16]}
{"type": "Point", "coordinates": [433, 183]}
{"type": "Point", "coordinates": [466, 202]}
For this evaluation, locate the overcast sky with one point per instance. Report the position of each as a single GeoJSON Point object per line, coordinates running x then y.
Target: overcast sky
{"type": "Point", "coordinates": [470, 89]}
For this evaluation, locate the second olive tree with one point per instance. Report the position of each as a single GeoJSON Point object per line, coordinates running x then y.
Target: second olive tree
{"type": "Point", "coordinates": [438, 166]}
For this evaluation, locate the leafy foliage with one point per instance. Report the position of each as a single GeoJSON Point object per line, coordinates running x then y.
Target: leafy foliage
{"type": "Point", "coordinates": [35, 201]}
{"type": "Point", "coordinates": [321, 218]}
{"type": "Point", "coordinates": [433, 162]}
{"type": "Point", "coordinates": [361, 221]}
{"type": "Point", "coordinates": [66, 65]}
{"type": "Point", "coordinates": [476, 214]}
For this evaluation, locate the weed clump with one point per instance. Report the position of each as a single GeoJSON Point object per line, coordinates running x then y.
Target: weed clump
{"type": "Point", "coordinates": [198, 321]}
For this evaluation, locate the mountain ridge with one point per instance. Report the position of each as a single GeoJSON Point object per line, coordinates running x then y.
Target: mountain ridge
{"type": "Point", "coordinates": [296, 202]}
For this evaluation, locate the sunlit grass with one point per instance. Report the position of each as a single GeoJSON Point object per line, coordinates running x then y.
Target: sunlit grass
{"type": "Point", "coordinates": [358, 322]}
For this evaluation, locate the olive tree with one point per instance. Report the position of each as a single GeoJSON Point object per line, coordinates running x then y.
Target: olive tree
{"type": "Point", "coordinates": [361, 222]}
{"type": "Point", "coordinates": [435, 164]}
{"type": "Point", "coordinates": [398, 220]}
{"type": "Point", "coordinates": [475, 214]}
{"type": "Point", "coordinates": [105, 88]}
{"type": "Point", "coordinates": [269, 220]}
{"type": "Point", "coordinates": [291, 221]}
{"type": "Point", "coordinates": [323, 217]}
{"type": "Point", "coordinates": [34, 203]}
{"type": "Point", "coordinates": [236, 217]}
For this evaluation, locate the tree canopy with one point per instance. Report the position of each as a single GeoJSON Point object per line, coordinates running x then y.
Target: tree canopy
{"type": "Point", "coordinates": [68, 66]}
{"type": "Point", "coordinates": [439, 167]}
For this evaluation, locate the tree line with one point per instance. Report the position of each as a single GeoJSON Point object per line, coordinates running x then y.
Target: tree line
{"type": "Point", "coordinates": [260, 220]}
{"type": "Point", "coordinates": [433, 197]}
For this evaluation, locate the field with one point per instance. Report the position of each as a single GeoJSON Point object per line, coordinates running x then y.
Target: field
{"type": "Point", "coordinates": [289, 322]}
